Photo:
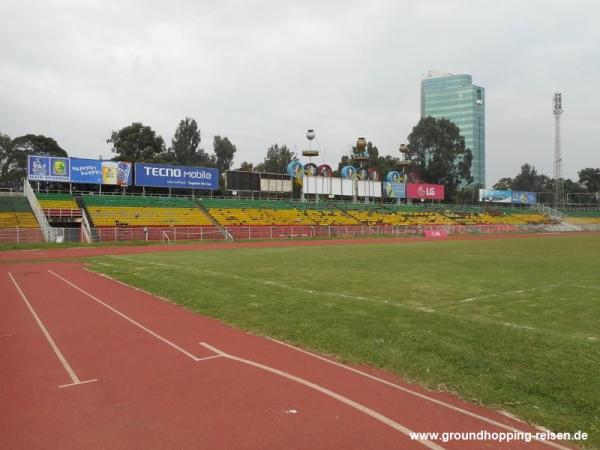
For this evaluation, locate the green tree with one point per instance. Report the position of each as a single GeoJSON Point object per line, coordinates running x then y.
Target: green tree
{"type": "Point", "coordinates": [21, 147]}
{"type": "Point", "coordinates": [185, 148]}
{"type": "Point", "coordinates": [383, 164]}
{"type": "Point", "coordinates": [276, 160]}
{"type": "Point", "coordinates": [590, 178]}
{"type": "Point", "coordinates": [6, 152]}
{"type": "Point", "coordinates": [504, 184]}
{"type": "Point", "coordinates": [438, 154]}
{"type": "Point", "coordinates": [185, 142]}
{"type": "Point", "coordinates": [32, 144]}
{"type": "Point", "coordinates": [529, 180]}
{"type": "Point", "coordinates": [137, 142]}
{"type": "Point", "coordinates": [246, 166]}
{"type": "Point", "coordinates": [224, 152]}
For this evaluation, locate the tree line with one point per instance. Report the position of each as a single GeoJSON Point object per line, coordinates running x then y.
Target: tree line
{"type": "Point", "coordinates": [528, 179]}
{"type": "Point", "coordinates": [435, 151]}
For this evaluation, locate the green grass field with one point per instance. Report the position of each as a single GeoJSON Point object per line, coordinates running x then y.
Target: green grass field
{"type": "Point", "coordinates": [513, 324]}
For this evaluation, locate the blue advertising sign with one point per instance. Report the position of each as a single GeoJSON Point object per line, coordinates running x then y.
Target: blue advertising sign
{"type": "Point", "coordinates": [524, 198]}
{"type": "Point", "coordinates": [86, 171]}
{"type": "Point", "coordinates": [48, 168]}
{"type": "Point", "coordinates": [514, 197]}
{"type": "Point", "coordinates": [394, 190]}
{"type": "Point", "coordinates": [94, 171]}
{"type": "Point", "coordinates": [494, 195]}
{"type": "Point", "coordinates": [186, 177]}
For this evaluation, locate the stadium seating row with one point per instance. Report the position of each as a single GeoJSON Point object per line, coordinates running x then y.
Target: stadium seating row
{"type": "Point", "coordinates": [110, 211]}
{"type": "Point", "coordinates": [136, 211]}
{"type": "Point", "coordinates": [16, 212]}
{"type": "Point", "coordinates": [56, 201]}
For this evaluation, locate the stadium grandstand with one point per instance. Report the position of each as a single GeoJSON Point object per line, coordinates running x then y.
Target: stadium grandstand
{"type": "Point", "coordinates": [17, 221]}
{"type": "Point", "coordinates": [195, 217]}
{"type": "Point", "coordinates": [583, 217]}
{"type": "Point", "coordinates": [111, 211]}
{"type": "Point", "coordinates": [58, 205]}
{"type": "Point", "coordinates": [15, 212]}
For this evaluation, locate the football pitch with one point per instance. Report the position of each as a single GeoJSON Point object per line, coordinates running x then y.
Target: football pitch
{"type": "Point", "coordinates": [511, 323]}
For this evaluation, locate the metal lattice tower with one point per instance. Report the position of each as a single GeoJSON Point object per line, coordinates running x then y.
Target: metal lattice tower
{"type": "Point", "coordinates": [559, 196]}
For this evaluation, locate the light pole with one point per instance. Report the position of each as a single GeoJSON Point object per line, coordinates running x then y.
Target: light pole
{"type": "Point", "coordinates": [404, 165]}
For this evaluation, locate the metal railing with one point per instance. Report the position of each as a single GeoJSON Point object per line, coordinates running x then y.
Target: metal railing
{"type": "Point", "coordinates": [85, 226]}
{"type": "Point", "coordinates": [245, 233]}
{"type": "Point", "coordinates": [546, 210]}
{"type": "Point", "coordinates": [62, 213]}
{"type": "Point", "coordinates": [47, 230]}
{"type": "Point", "coordinates": [21, 235]}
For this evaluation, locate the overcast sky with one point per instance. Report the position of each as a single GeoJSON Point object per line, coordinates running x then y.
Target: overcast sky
{"type": "Point", "coordinates": [263, 72]}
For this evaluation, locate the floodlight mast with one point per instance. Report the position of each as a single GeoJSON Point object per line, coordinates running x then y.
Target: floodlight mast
{"type": "Point", "coordinates": [558, 176]}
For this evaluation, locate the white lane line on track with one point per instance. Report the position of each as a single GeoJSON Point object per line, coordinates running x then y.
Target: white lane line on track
{"type": "Point", "coordinates": [361, 408]}
{"type": "Point", "coordinates": [130, 320]}
{"type": "Point", "coordinates": [75, 381]}
{"type": "Point", "coordinates": [415, 393]}
{"type": "Point", "coordinates": [418, 394]}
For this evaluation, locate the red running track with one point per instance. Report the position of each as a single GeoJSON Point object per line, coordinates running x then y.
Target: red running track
{"type": "Point", "coordinates": [137, 376]}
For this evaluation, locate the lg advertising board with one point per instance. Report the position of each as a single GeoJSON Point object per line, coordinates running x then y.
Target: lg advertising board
{"type": "Point", "coordinates": [183, 177]}
{"type": "Point", "coordinates": [425, 191]}
{"type": "Point", "coordinates": [78, 170]}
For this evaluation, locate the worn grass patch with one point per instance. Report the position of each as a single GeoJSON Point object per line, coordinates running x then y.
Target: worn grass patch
{"type": "Point", "coordinates": [513, 324]}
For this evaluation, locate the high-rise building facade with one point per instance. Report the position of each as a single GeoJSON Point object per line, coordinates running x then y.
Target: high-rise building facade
{"type": "Point", "coordinates": [456, 98]}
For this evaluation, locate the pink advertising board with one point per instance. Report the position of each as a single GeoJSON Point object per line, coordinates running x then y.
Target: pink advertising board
{"type": "Point", "coordinates": [425, 191]}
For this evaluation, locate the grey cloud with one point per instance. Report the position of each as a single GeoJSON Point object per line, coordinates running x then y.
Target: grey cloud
{"type": "Point", "coordinates": [264, 72]}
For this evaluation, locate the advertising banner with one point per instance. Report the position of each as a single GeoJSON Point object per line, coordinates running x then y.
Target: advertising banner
{"type": "Point", "coordinates": [185, 177]}
{"type": "Point", "coordinates": [425, 191]}
{"type": "Point", "coordinates": [48, 168]}
{"type": "Point", "coordinates": [394, 190]}
{"type": "Point", "coordinates": [523, 198]}
{"type": "Point", "coordinates": [505, 196]}
{"type": "Point", "coordinates": [368, 188]}
{"type": "Point", "coordinates": [275, 185]}
{"type": "Point", "coordinates": [327, 186]}
{"type": "Point", "coordinates": [94, 171]}
{"type": "Point", "coordinates": [494, 195]}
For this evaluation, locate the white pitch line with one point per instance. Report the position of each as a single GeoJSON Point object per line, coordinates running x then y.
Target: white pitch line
{"type": "Point", "coordinates": [74, 378]}
{"type": "Point", "coordinates": [423, 309]}
{"type": "Point", "coordinates": [411, 392]}
{"type": "Point", "coordinates": [361, 408]}
{"type": "Point", "coordinates": [499, 294]}
{"type": "Point", "coordinates": [129, 319]}
{"type": "Point", "coordinates": [434, 400]}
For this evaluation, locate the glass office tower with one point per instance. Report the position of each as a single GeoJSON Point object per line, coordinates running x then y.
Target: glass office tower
{"type": "Point", "coordinates": [456, 98]}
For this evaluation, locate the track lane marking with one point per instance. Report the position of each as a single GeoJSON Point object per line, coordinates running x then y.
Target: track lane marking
{"type": "Point", "coordinates": [75, 381]}
{"type": "Point", "coordinates": [380, 380]}
{"type": "Point", "coordinates": [415, 393]}
{"type": "Point", "coordinates": [361, 408]}
{"type": "Point", "coordinates": [132, 321]}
